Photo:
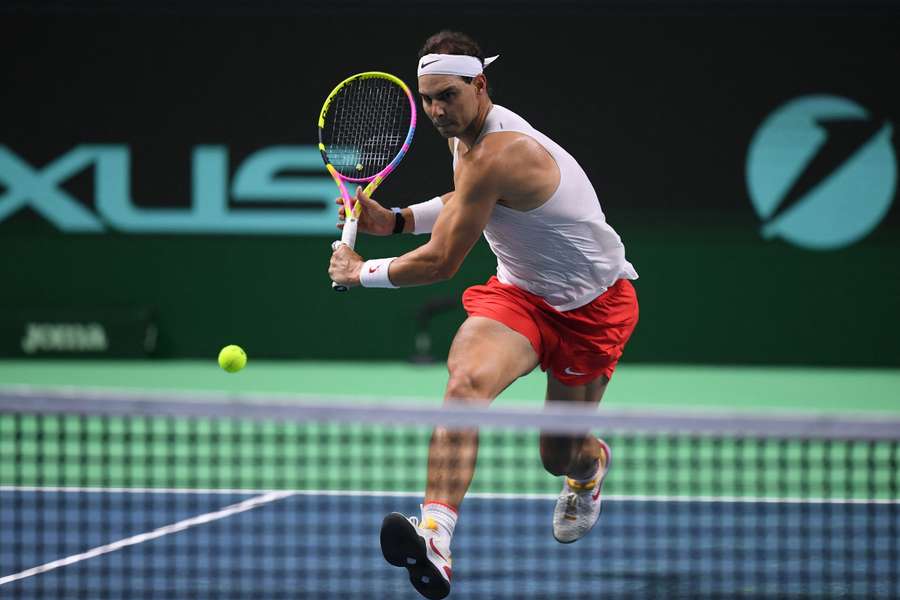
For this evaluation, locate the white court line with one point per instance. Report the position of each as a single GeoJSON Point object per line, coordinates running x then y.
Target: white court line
{"type": "Point", "coordinates": [266, 496]}
{"type": "Point", "coordinates": [476, 495]}
{"type": "Point", "coordinates": [233, 509]}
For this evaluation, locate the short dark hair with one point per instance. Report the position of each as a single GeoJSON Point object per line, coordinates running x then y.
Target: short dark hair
{"type": "Point", "coordinates": [452, 42]}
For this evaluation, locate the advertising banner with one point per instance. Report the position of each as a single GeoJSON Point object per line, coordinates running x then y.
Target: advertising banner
{"type": "Point", "coordinates": [749, 165]}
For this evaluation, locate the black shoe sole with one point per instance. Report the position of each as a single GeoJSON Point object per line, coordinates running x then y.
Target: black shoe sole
{"type": "Point", "coordinates": [403, 547]}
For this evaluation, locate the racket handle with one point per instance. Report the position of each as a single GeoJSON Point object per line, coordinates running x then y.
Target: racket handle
{"type": "Point", "coordinates": [348, 236]}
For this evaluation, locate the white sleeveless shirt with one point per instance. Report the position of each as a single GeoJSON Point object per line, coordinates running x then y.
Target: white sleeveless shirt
{"type": "Point", "coordinates": [563, 250]}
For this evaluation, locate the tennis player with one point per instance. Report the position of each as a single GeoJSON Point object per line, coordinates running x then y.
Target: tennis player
{"type": "Point", "coordinates": [561, 299]}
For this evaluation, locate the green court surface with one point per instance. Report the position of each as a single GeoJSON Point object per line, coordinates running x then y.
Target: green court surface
{"type": "Point", "coordinates": [633, 386]}
{"type": "Point", "coordinates": [161, 452]}
{"type": "Point", "coordinates": [172, 452]}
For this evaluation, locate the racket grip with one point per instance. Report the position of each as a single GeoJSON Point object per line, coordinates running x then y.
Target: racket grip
{"type": "Point", "coordinates": [348, 236]}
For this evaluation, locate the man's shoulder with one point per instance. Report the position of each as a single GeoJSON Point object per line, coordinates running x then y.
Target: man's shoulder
{"type": "Point", "coordinates": [509, 152]}
{"type": "Point", "coordinates": [501, 160]}
{"type": "Point", "coordinates": [503, 145]}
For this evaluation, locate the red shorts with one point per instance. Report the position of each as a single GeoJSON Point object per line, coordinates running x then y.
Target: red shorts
{"type": "Point", "coordinates": [577, 345]}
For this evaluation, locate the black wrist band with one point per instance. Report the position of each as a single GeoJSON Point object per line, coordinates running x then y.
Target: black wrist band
{"type": "Point", "coordinates": [399, 220]}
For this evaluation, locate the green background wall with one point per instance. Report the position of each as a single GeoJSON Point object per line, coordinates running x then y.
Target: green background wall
{"type": "Point", "coordinates": [662, 125]}
{"type": "Point", "coordinates": [712, 295]}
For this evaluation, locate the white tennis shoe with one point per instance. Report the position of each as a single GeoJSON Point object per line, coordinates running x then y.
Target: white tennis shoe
{"type": "Point", "coordinates": [578, 506]}
{"type": "Point", "coordinates": [418, 548]}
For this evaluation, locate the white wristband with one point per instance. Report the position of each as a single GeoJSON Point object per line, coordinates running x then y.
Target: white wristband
{"type": "Point", "coordinates": [374, 273]}
{"type": "Point", "coordinates": [425, 214]}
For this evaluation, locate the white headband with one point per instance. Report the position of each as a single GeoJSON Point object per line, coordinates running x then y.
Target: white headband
{"type": "Point", "coordinates": [452, 64]}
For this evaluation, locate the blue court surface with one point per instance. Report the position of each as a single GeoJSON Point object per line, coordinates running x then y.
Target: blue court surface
{"type": "Point", "coordinates": [309, 545]}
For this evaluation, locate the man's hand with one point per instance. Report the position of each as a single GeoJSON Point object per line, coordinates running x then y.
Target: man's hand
{"type": "Point", "coordinates": [345, 265]}
{"type": "Point", "coordinates": [374, 218]}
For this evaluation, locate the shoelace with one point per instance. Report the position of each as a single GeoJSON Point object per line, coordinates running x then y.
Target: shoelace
{"type": "Point", "coordinates": [415, 522]}
{"type": "Point", "coordinates": [571, 507]}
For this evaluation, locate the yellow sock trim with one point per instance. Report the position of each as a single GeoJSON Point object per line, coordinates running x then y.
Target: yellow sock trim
{"type": "Point", "coordinates": [593, 482]}
{"type": "Point", "coordinates": [581, 486]}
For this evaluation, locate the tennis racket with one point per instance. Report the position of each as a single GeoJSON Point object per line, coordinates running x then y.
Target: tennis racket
{"type": "Point", "coordinates": [365, 129]}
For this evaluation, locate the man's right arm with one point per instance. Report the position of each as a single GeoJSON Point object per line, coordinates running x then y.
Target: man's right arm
{"type": "Point", "coordinates": [460, 225]}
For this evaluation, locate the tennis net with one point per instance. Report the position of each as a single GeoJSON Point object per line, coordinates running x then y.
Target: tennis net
{"type": "Point", "coordinates": [175, 496]}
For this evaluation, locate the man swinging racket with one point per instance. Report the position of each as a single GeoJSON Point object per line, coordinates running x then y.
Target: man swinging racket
{"type": "Point", "coordinates": [561, 298]}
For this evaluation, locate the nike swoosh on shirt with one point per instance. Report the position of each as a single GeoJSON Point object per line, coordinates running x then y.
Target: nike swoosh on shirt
{"type": "Point", "coordinates": [569, 371]}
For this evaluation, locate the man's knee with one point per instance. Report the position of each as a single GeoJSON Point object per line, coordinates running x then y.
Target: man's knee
{"type": "Point", "coordinates": [467, 385]}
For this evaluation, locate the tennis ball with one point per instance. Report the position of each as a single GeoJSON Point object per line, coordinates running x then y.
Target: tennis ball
{"type": "Point", "coordinates": [232, 358]}
{"type": "Point", "coordinates": [359, 167]}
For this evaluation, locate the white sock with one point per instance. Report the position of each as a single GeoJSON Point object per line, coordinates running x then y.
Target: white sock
{"type": "Point", "coordinates": [443, 515]}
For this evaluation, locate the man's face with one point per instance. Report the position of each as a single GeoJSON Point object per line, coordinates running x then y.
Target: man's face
{"type": "Point", "coordinates": [450, 102]}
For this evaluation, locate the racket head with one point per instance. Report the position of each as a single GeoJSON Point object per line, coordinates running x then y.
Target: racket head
{"type": "Point", "coordinates": [365, 127]}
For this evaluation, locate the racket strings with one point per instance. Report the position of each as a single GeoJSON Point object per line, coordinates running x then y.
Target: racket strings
{"type": "Point", "coordinates": [369, 121]}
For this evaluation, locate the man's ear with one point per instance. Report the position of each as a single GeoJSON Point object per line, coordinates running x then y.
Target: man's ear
{"type": "Point", "coordinates": [480, 83]}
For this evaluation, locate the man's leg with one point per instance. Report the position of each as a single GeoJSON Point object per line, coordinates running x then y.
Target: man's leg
{"type": "Point", "coordinates": [485, 358]}
{"type": "Point", "coordinates": [582, 458]}
{"type": "Point", "coordinates": [572, 455]}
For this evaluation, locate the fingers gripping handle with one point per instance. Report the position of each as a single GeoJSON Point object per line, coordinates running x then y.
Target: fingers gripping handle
{"type": "Point", "coordinates": [348, 236]}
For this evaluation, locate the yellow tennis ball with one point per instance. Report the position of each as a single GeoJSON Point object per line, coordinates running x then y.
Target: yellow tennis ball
{"type": "Point", "coordinates": [359, 167]}
{"type": "Point", "coordinates": [232, 358]}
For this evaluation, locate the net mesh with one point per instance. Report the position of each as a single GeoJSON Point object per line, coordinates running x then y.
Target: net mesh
{"type": "Point", "coordinates": [365, 127]}
{"type": "Point", "coordinates": [126, 498]}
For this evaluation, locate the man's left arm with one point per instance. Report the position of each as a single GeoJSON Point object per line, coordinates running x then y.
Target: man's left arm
{"type": "Point", "coordinates": [461, 222]}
